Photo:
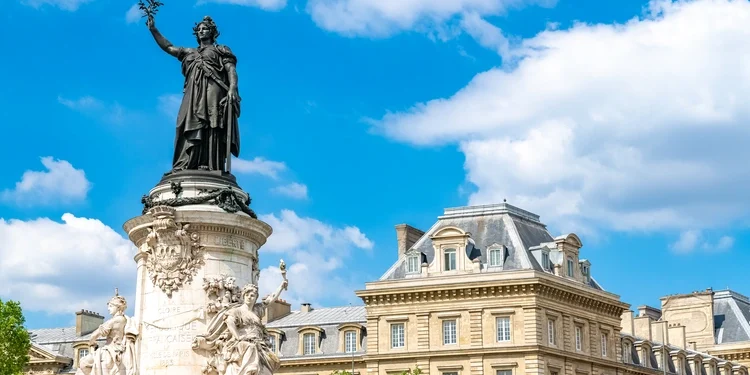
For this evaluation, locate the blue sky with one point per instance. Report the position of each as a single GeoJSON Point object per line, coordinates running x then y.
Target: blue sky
{"type": "Point", "coordinates": [624, 122]}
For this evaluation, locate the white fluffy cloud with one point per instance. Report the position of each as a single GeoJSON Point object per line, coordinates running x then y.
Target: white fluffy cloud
{"type": "Point", "coordinates": [69, 5]}
{"type": "Point", "coordinates": [60, 183]}
{"type": "Point", "coordinates": [380, 18]}
{"type": "Point", "coordinates": [259, 165]}
{"type": "Point", "coordinates": [316, 254]}
{"type": "Point", "coordinates": [62, 267]}
{"type": "Point", "coordinates": [169, 104]}
{"type": "Point", "coordinates": [293, 190]}
{"type": "Point", "coordinates": [693, 240]}
{"type": "Point", "coordinates": [270, 5]}
{"type": "Point", "coordinates": [638, 126]}
{"type": "Point", "coordinates": [133, 14]}
{"type": "Point", "coordinates": [91, 106]}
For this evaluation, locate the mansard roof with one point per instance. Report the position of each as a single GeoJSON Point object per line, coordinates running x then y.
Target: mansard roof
{"type": "Point", "coordinates": [321, 316]}
{"type": "Point", "coordinates": [327, 321]}
{"type": "Point", "coordinates": [502, 224]}
{"type": "Point", "coordinates": [731, 317]}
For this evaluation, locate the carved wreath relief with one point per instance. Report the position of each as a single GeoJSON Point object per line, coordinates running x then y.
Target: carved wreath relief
{"type": "Point", "coordinates": [221, 292]}
{"type": "Point", "coordinates": [174, 254]}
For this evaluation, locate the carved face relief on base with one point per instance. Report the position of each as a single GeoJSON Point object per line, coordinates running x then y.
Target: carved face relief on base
{"type": "Point", "coordinates": [174, 254]}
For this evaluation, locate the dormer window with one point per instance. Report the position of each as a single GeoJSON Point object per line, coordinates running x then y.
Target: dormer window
{"type": "Point", "coordinates": [545, 261]}
{"type": "Point", "coordinates": [350, 341]}
{"type": "Point", "coordinates": [309, 343]}
{"type": "Point", "coordinates": [272, 342]}
{"type": "Point", "coordinates": [310, 340]}
{"type": "Point", "coordinates": [496, 257]}
{"type": "Point", "coordinates": [449, 257]}
{"type": "Point", "coordinates": [349, 337]}
{"type": "Point", "coordinates": [412, 263]}
{"type": "Point", "coordinates": [570, 267]}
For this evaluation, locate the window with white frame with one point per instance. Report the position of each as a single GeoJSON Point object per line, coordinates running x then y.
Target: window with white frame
{"type": "Point", "coordinates": [604, 344]}
{"type": "Point", "coordinates": [82, 353]}
{"type": "Point", "coordinates": [496, 257]}
{"type": "Point", "coordinates": [627, 352]}
{"type": "Point", "coordinates": [570, 267]}
{"type": "Point", "coordinates": [449, 260]}
{"type": "Point", "coordinates": [579, 338]}
{"type": "Point", "coordinates": [272, 342]}
{"type": "Point", "coordinates": [545, 261]}
{"type": "Point", "coordinates": [503, 328]}
{"type": "Point", "coordinates": [412, 263]}
{"type": "Point", "coordinates": [551, 331]}
{"type": "Point", "coordinates": [308, 342]}
{"type": "Point", "coordinates": [504, 372]}
{"type": "Point", "coordinates": [397, 335]}
{"type": "Point", "coordinates": [450, 331]}
{"type": "Point", "coordinates": [350, 341]}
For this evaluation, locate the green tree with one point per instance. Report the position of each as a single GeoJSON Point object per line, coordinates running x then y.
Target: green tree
{"type": "Point", "coordinates": [14, 339]}
{"type": "Point", "coordinates": [415, 371]}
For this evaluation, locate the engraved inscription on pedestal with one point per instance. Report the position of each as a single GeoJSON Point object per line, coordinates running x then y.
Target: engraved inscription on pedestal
{"type": "Point", "coordinates": [168, 337]}
{"type": "Point", "coordinates": [230, 242]}
{"type": "Point", "coordinates": [174, 254]}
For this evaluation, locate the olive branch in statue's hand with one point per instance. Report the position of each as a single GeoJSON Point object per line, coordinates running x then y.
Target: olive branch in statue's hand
{"type": "Point", "coordinates": [149, 8]}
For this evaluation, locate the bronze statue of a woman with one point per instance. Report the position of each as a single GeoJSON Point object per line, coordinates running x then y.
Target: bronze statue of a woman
{"type": "Point", "coordinates": [207, 131]}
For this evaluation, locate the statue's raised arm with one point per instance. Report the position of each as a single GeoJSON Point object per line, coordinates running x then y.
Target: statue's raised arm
{"type": "Point", "coordinates": [284, 284]}
{"type": "Point", "coordinates": [163, 43]}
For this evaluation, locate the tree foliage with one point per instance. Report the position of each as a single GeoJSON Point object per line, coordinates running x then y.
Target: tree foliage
{"type": "Point", "coordinates": [14, 339]}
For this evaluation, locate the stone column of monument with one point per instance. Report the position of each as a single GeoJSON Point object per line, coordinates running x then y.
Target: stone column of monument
{"type": "Point", "coordinates": [192, 260]}
{"type": "Point", "coordinates": [196, 305]}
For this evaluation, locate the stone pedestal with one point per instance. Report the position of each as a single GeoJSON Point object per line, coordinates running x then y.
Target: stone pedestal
{"type": "Point", "coordinates": [188, 248]}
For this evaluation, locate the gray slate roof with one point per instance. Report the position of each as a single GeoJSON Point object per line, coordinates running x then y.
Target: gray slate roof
{"type": "Point", "coordinates": [503, 224]}
{"type": "Point", "coordinates": [731, 317]}
{"type": "Point", "coordinates": [58, 341]}
{"type": "Point", "coordinates": [328, 319]}
{"type": "Point", "coordinates": [322, 316]}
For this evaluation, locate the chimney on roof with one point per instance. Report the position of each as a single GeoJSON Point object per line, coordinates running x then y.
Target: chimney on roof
{"type": "Point", "coordinates": [306, 308]}
{"type": "Point", "coordinates": [87, 322]}
{"type": "Point", "coordinates": [406, 236]}
{"type": "Point", "coordinates": [276, 310]}
{"type": "Point", "coordinates": [652, 312]}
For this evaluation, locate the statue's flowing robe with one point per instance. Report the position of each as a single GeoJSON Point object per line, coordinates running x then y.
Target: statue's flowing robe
{"type": "Point", "coordinates": [118, 357]}
{"type": "Point", "coordinates": [250, 355]}
{"type": "Point", "coordinates": [205, 114]}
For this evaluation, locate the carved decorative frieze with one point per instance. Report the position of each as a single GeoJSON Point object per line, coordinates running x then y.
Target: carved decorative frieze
{"type": "Point", "coordinates": [174, 254]}
{"type": "Point", "coordinates": [550, 292]}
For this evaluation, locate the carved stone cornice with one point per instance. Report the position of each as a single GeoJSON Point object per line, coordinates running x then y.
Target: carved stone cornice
{"type": "Point", "coordinates": [736, 356]}
{"type": "Point", "coordinates": [317, 361]}
{"type": "Point", "coordinates": [529, 287]}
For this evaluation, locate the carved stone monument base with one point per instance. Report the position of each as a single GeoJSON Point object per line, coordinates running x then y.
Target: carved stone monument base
{"type": "Point", "coordinates": [192, 256]}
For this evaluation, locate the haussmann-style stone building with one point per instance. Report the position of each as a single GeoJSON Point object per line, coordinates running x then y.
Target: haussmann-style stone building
{"type": "Point", "coordinates": [487, 290]}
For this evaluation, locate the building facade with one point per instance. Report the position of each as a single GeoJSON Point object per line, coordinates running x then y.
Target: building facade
{"type": "Point", "coordinates": [487, 290]}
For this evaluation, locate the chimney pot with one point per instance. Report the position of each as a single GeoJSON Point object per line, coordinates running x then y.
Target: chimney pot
{"type": "Point", "coordinates": [306, 308]}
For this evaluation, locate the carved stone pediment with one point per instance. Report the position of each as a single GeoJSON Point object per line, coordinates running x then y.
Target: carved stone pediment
{"type": "Point", "coordinates": [174, 253]}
